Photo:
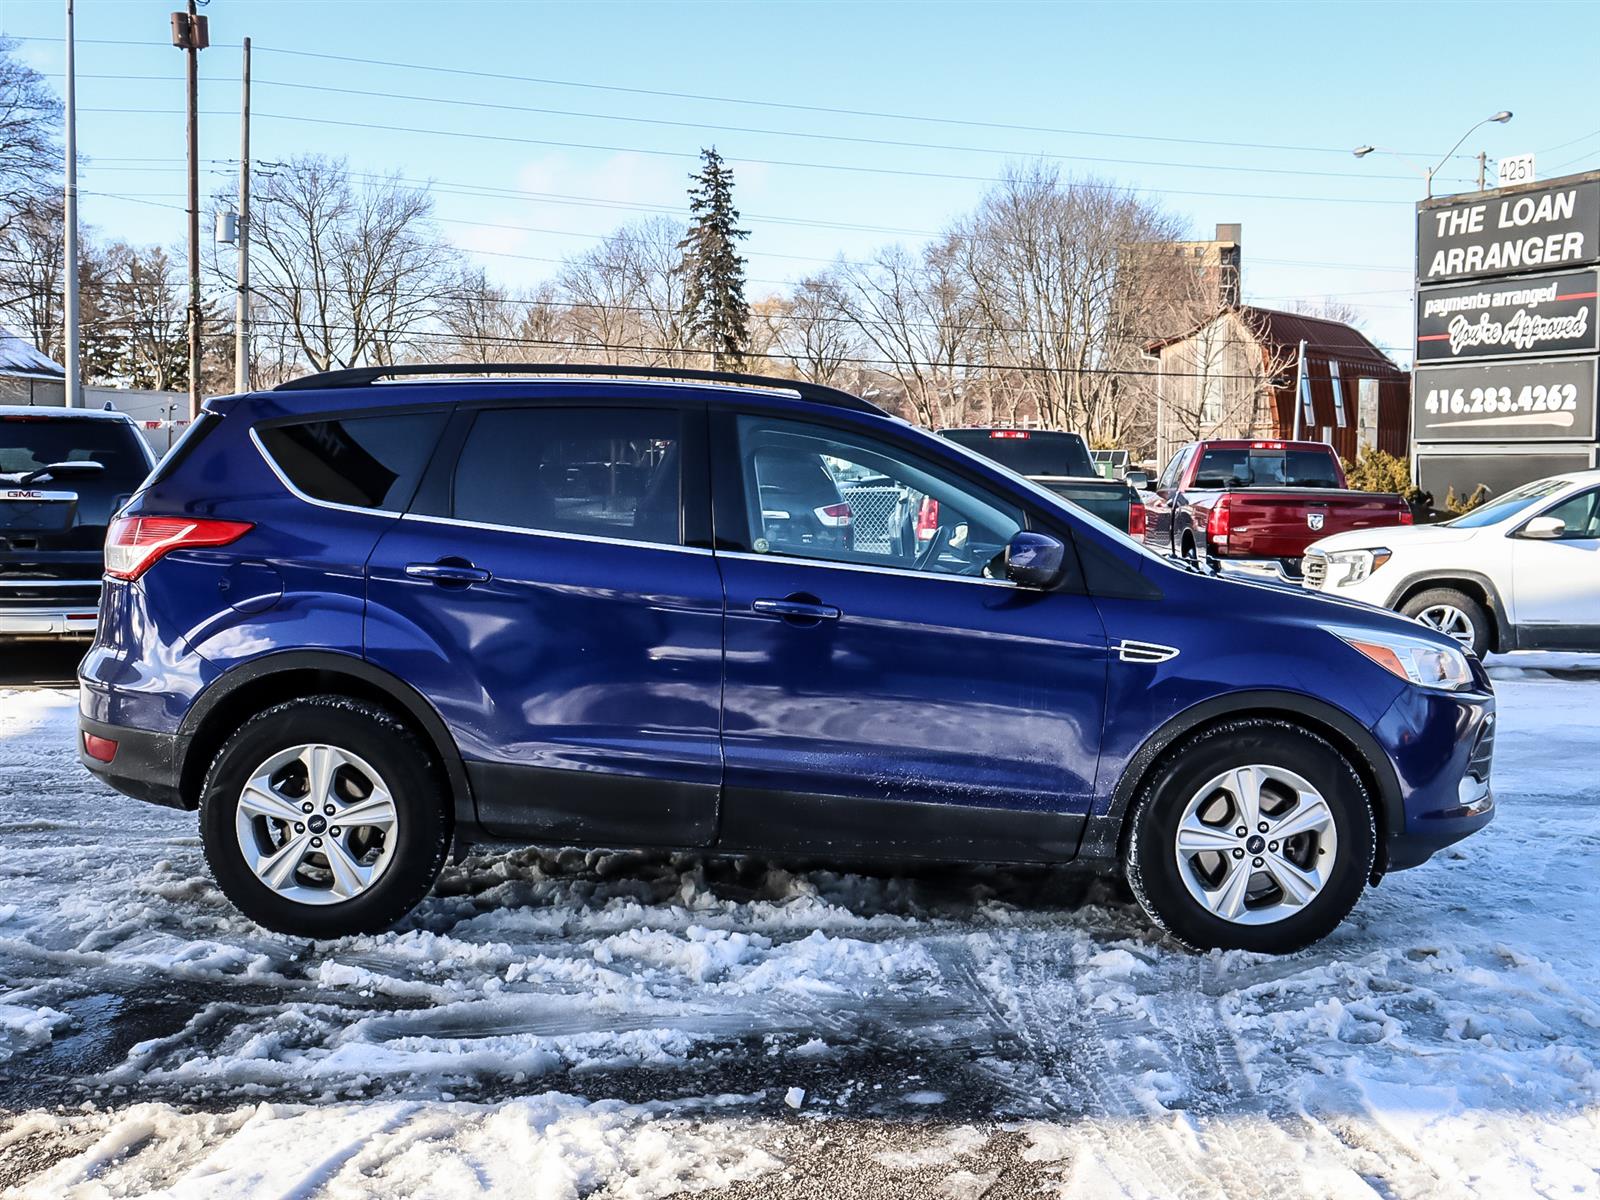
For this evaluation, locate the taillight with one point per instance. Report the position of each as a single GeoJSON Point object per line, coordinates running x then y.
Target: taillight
{"type": "Point", "coordinates": [133, 543]}
{"type": "Point", "coordinates": [1407, 517]}
{"type": "Point", "coordinates": [98, 748]}
{"type": "Point", "coordinates": [1136, 519]}
{"type": "Point", "coordinates": [927, 519]}
{"type": "Point", "coordinates": [1217, 523]}
{"type": "Point", "coordinates": [833, 515]}
{"type": "Point", "coordinates": [1009, 434]}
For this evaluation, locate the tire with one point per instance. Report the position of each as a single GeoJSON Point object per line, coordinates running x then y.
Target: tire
{"type": "Point", "coordinates": [1188, 548]}
{"type": "Point", "coordinates": [1468, 623]}
{"type": "Point", "coordinates": [1164, 880]}
{"type": "Point", "coordinates": [399, 852]}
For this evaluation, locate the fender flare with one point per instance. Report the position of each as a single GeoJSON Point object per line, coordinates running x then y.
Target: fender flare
{"type": "Point", "coordinates": [401, 694]}
{"type": "Point", "coordinates": [1505, 631]}
{"type": "Point", "coordinates": [1103, 837]}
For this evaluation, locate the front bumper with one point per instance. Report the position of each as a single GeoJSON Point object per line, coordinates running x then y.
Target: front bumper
{"type": "Point", "coordinates": [51, 621]}
{"type": "Point", "coordinates": [147, 766]}
{"type": "Point", "coordinates": [1442, 747]}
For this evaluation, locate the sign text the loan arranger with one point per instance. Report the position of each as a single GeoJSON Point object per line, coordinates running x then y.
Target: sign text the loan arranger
{"type": "Point", "coordinates": [1509, 318]}
{"type": "Point", "coordinates": [1508, 233]}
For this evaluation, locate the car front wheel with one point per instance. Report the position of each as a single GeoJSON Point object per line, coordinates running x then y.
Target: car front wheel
{"type": "Point", "coordinates": [324, 817]}
{"type": "Point", "coordinates": [1454, 614]}
{"type": "Point", "coordinates": [1256, 834]}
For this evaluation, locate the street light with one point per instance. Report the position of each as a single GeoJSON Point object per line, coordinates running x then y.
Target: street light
{"type": "Point", "coordinates": [1499, 118]}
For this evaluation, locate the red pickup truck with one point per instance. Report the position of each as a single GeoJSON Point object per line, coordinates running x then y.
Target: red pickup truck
{"type": "Point", "coordinates": [1258, 500]}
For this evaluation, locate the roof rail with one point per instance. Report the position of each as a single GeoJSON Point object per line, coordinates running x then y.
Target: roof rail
{"type": "Point", "coordinates": [352, 377]}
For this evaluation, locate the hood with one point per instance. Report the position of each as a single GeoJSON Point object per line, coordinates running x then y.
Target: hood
{"type": "Point", "coordinates": [1393, 537]}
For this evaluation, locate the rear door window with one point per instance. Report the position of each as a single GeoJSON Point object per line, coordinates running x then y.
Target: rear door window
{"type": "Point", "coordinates": [600, 472]}
{"type": "Point", "coordinates": [358, 461]}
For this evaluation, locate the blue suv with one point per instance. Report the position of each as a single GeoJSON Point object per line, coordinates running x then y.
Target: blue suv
{"type": "Point", "coordinates": [371, 611]}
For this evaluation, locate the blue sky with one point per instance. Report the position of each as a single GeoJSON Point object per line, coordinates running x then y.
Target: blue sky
{"type": "Point", "coordinates": [1140, 94]}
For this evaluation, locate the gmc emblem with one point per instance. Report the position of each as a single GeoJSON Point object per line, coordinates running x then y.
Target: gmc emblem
{"type": "Point", "coordinates": [1315, 520]}
{"type": "Point", "coordinates": [19, 494]}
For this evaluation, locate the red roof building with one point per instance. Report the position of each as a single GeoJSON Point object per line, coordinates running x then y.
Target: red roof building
{"type": "Point", "coordinates": [1234, 376]}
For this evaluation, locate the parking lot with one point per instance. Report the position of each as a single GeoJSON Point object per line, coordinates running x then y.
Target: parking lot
{"type": "Point", "coordinates": [649, 1025]}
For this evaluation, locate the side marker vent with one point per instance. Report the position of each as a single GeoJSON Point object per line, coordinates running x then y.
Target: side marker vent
{"type": "Point", "coordinates": [1144, 652]}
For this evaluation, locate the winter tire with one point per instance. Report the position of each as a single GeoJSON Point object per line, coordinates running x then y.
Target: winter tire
{"type": "Point", "coordinates": [1454, 614]}
{"type": "Point", "coordinates": [1256, 834]}
{"type": "Point", "coordinates": [324, 817]}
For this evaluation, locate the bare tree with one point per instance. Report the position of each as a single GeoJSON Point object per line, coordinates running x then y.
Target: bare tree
{"type": "Point", "coordinates": [626, 295]}
{"type": "Point", "coordinates": [480, 319]}
{"type": "Point", "coordinates": [352, 272]}
{"type": "Point", "coordinates": [32, 268]}
{"type": "Point", "coordinates": [811, 329]}
{"type": "Point", "coordinates": [32, 260]}
{"type": "Point", "coordinates": [1046, 262]}
{"type": "Point", "coordinates": [1329, 308]}
{"type": "Point", "coordinates": [1223, 378]}
{"type": "Point", "coordinates": [30, 158]}
{"type": "Point", "coordinates": [148, 296]}
{"type": "Point", "coordinates": [917, 315]}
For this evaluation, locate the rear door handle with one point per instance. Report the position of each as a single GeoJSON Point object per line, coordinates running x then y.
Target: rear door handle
{"type": "Point", "coordinates": [795, 610]}
{"type": "Point", "coordinates": [449, 573]}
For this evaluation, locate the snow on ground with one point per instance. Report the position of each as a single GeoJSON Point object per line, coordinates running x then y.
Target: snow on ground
{"type": "Point", "coordinates": [561, 1025]}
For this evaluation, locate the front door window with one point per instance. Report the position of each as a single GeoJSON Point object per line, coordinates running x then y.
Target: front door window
{"type": "Point", "coordinates": [814, 492]}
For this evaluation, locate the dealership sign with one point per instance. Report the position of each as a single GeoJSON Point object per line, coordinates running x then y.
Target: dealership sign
{"type": "Point", "coordinates": [1518, 231]}
{"type": "Point", "coordinates": [1548, 400]}
{"type": "Point", "coordinates": [1507, 318]}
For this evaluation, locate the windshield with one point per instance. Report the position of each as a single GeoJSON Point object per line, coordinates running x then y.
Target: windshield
{"type": "Point", "coordinates": [1266, 468]}
{"type": "Point", "coordinates": [1029, 451]}
{"type": "Point", "coordinates": [1509, 505]}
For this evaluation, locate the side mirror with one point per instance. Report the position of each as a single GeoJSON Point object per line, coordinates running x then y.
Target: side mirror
{"type": "Point", "coordinates": [75, 466]}
{"type": "Point", "coordinates": [1544, 527]}
{"type": "Point", "coordinates": [1034, 560]}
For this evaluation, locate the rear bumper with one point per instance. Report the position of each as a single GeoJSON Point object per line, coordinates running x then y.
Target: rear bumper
{"type": "Point", "coordinates": [54, 620]}
{"type": "Point", "coordinates": [147, 766]}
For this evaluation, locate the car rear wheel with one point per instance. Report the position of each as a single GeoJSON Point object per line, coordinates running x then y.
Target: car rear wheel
{"type": "Point", "coordinates": [1255, 835]}
{"type": "Point", "coordinates": [324, 817]}
{"type": "Point", "coordinates": [1454, 614]}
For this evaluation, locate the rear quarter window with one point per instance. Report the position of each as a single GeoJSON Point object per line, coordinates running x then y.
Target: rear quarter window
{"type": "Point", "coordinates": [359, 461]}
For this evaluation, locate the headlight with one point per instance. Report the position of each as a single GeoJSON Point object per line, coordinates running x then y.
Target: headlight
{"type": "Point", "coordinates": [1415, 660]}
{"type": "Point", "coordinates": [1346, 567]}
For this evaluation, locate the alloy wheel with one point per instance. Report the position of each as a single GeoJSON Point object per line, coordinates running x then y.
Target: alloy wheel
{"type": "Point", "coordinates": [1256, 844]}
{"type": "Point", "coordinates": [1450, 621]}
{"type": "Point", "coordinates": [316, 824]}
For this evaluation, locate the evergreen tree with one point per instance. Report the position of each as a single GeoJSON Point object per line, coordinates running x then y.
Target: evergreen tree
{"type": "Point", "coordinates": [715, 312]}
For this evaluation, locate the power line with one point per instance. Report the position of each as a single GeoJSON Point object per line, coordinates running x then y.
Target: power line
{"type": "Point", "coordinates": [745, 160]}
{"type": "Point", "coordinates": [753, 102]}
{"type": "Point", "coordinates": [790, 133]}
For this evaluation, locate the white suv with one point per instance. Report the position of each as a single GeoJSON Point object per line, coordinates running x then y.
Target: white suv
{"type": "Point", "coordinates": [1522, 572]}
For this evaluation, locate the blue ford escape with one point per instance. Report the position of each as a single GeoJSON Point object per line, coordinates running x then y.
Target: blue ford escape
{"type": "Point", "coordinates": [368, 612]}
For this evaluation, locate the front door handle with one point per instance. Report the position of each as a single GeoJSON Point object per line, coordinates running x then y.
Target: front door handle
{"type": "Point", "coordinates": [793, 608]}
{"type": "Point", "coordinates": [448, 572]}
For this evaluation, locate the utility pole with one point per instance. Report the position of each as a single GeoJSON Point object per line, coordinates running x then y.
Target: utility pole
{"type": "Point", "coordinates": [71, 314]}
{"type": "Point", "coordinates": [1301, 383]}
{"type": "Point", "coordinates": [189, 34]}
{"type": "Point", "coordinates": [1483, 169]}
{"type": "Point", "coordinates": [241, 310]}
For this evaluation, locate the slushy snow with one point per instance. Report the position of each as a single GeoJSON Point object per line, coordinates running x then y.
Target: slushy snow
{"type": "Point", "coordinates": [570, 1024]}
